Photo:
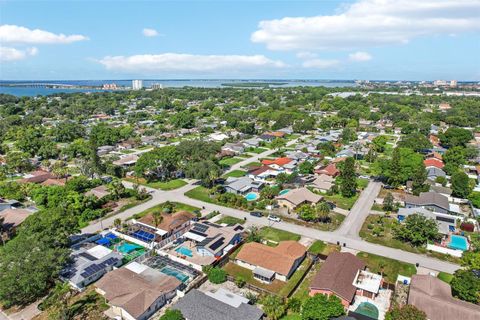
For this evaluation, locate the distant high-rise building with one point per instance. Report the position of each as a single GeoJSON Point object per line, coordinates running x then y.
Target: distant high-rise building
{"type": "Point", "coordinates": [439, 83]}
{"type": "Point", "coordinates": [453, 83]}
{"type": "Point", "coordinates": [137, 84]}
{"type": "Point", "coordinates": [156, 86]}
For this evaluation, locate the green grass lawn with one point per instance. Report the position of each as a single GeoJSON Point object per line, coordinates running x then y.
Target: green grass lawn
{"type": "Point", "coordinates": [162, 185]}
{"type": "Point", "coordinates": [235, 174]}
{"type": "Point", "coordinates": [200, 193]}
{"type": "Point", "coordinates": [253, 164]}
{"type": "Point", "coordinates": [127, 151]}
{"type": "Point", "coordinates": [292, 316]}
{"type": "Point", "coordinates": [362, 183]}
{"type": "Point", "coordinates": [227, 162]}
{"type": "Point", "coordinates": [317, 247]}
{"type": "Point", "coordinates": [178, 206]}
{"type": "Point", "coordinates": [276, 235]}
{"type": "Point", "coordinates": [391, 268]}
{"type": "Point", "coordinates": [446, 277]}
{"type": "Point", "coordinates": [279, 287]}
{"type": "Point", "coordinates": [336, 220]}
{"type": "Point", "coordinates": [230, 220]}
{"type": "Point", "coordinates": [304, 288]}
{"type": "Point", "coordinates": [256, 150]}
{"type": "Point", "coordinates": [387, 237]}
{"type": "Point", "coordinates": [342, 202]}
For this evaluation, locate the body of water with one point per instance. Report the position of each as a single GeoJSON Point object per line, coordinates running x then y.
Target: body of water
{"type": "Point", "coordinates": [34, 91]}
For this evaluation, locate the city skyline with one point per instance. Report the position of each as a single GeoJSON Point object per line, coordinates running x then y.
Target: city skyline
{"type": "Point", "coordinates": [363, 39]}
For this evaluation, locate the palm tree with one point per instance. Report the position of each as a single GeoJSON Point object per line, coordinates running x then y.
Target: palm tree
{"type": "Point", "coordinates": [157, 217]}
{"type": "Point", "coordinates": [323, 210]}
{"type": "Point", "coordinates": [273, 307]}
{"type": "Point", "coordinates": [117, 223]}
{"type": "Point", "coordinates": [116, 189]}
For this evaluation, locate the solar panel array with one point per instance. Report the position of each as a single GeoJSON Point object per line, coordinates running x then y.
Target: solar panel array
{"type": "Point", "coordinates": [217, 244]}
{"type": "Point", "coordinates": [94, 268]}
{"type": "Point", "coordinates": [143, 235]}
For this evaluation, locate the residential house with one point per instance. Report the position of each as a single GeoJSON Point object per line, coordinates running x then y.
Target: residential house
{"type": "Point", "coordinates": [337, 277]}
{"type": "Point", "coordinates": [38, 176]}
{"type": "Point", "coordinates": [434, 297]}
{"type": "Point", "coordinates": [220, 305]}
{"type": "Point", "coordinates": [428, 200]}
{"type": "Point", "coordinates": [297, 197]}
{"type": "Point", "coordinates": [218, 137]}
{"type": "Point", "coordinates": [322, 183]}
{"type": "Point", "coordinates": [137, 291]}
{"type": "Point", "coordinates": [253, 142]}
{"type": "Point", "coordinates": [446, 222]}
{"type": "Point", "coordinates": [236, 148]}
{"type": "Point", "coordinates": [89, 262]}
{"type": "Point", "coordinates": [126, 161]}
{"type": "Point", "coordinates": [282, 164]}
{"type": "Point", "coordinates": [433, 163]}
{"type": "Point", "coordinates": [269, 263]}
{"type": "Point", "coordinates": [213, 240]}
{"type": "Point", "coordinates": [297, 155]}
{"type": "Point", "coordinates": [433, 173]}
{"type": "Point", "coordinates": [99, 192]}
{"type": "Point", "coordinates": [171, 227]}
{"type": "Point", "coordinates": [242, 185]}
{"type": "Point", "coordinates": [13, 218]}
{"type": "Point", "coordinates": [330, 170]}
{"type": "Point", "coordinates": [8, 204]}
{"type": "Point", "coordinates": [263, 173]}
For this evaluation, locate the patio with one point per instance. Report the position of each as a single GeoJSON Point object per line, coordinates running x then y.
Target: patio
{"type": "Point", "coordinates": [195, 258]}
{"type": "Point", "coordinates": [381, 302]}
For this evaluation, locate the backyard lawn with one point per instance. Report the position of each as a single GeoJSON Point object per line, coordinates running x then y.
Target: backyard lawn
{"type": "Point", "coordinates": [276, 235]}
{"type": "Point", "coordinates": [446, 277]}
{"type": "Point", "coordinates": [256, 150]}
{"type": "Point", "coordinates": [390, 268]}
{"type": "Point", "coordinates": [227, 162]}
{"type": "Point", "coordinates": [253, 164]}
{"type": "Point", "coordinates": [200, 193]}
{"type": "Point", "coordinates": [230, 220]}
{"type": "Point", "coordinates": [304, 288]}
{"type": "Point", "coordinates": [278, 287]}
{"type": "Point", "coordinates": [177, 206]}
{"type": "Point", "coordinates": [336, 220]}
{"type": "Point", "coordinates": [163, 185]}
{"type": "Point", "coordinates": [386, 237]}
{"type": "Point", "coordinates": [235, 174]}
{"type": "Point", "coordinates": [342, 202]}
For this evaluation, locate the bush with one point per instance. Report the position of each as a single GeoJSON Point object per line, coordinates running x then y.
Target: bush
{"type": "Point", "coordinates": [240, 281]}
{"type": "Point", "coordinates": [171, 314]}
{"type": "Point", "coordinates": [217, 275]}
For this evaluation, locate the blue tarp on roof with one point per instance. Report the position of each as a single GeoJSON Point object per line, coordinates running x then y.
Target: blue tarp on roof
{"type": "Point", "coordinates": [103, 241]}
{"type": "Point", "coordinates": [111, 236]}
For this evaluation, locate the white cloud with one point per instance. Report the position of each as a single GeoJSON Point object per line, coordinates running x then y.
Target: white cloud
{"type": "Point", "coordinates": [306, 55]}
{"type": "Point", "coordinates": [360, 56]}
{"type": "Point", "coordinates": [147, 32]}
{"type": "Point", "coordinates": [370, 23]}
{"type": "Point", "coordinates": [321, 63]}
{"type": "Point", "coordinates": [18, 34]}
{"type": "Point", "coordinates": [149, 63]}
{"type": "Point", "coordinates": [12, 54]}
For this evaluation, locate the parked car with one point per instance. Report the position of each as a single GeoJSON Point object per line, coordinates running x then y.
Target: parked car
{"type": "Point", "coordinates": [274, 218]}
{"type": "Point", "coordinates": [257, 214]}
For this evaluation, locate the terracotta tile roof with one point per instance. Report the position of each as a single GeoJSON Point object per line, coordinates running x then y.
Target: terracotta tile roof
{"type": "Point", "coordinates": [133, 292]}
{"type": "Point", "coordinates": [260, 170]}
{"type": "Point", "coordinates": [170, 221]}
{"type": "Point", "coordinates": [330, 170]}
{"type": "Point", "coordinates": [435, 155]}
{"type": "Point", "coordinates": [14, 217]}
{"type": "Point", "coordinates": [337, 274]}
{"type": "Point", "coordinates": [54, 182]}
{"type": "Point", "coordinates": [277, 134]}
{"type": "Point", "coordinates": [279, 161]}
{"type": "Point", "coordinates": [433, 162]}
{"type": "Point", "coordinates": [99, 192]}
{"type": "Point", "coordinates": [37, 177]}
{"type": "Point", "coordinates": [433, 296]}
{"type": "Point", "coordinates": [279, 259]}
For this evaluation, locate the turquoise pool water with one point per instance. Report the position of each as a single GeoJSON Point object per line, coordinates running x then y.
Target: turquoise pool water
{"type": "Point", "coordinates": [174, 273]}
{"type": "Point", "coordinates": [284, 191]}
{"type": "Point", "coordinates": [458, 242]}
{"type": "Point", "coordinates": [185, 251]}
{"type": "Point", "coordinates": [251, 196]}
{"type": "Point", "coordinates": [128, 247]}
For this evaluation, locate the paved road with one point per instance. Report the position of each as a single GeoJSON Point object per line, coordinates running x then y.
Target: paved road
{"type": "Point", "coordinates": [361, 209]}
{"type": "Point", "coordinates": [346, 235]}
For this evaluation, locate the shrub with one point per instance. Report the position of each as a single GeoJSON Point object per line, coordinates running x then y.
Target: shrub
{"type": "Point", "coordinates": [217, 275]}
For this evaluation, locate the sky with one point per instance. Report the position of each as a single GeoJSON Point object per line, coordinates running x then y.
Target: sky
{"type": "Point", "coordinates": [249, 39]}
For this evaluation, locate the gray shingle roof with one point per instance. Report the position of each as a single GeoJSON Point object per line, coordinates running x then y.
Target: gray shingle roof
{"type": "Point", "coordinates": [198, 306]}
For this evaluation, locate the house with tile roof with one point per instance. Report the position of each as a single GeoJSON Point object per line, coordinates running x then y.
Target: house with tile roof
{"type": "Point", "coordinates": [297, 197]}
{"type": "Point", "coordinates": [269, 263]}
{"type": "Point", "coordinates": [433, 162]}
{"type": "Point", "coordinates": [219, 305]}
{"type": "Point", "coordinates": [137, 293]}
{"type": "Point", "coordinates": [329, 170]}
{"type": "Point", "coordinates": [337, 276]}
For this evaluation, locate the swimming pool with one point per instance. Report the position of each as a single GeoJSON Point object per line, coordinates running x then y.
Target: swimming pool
{"type": "Point", "coordinates": [368, 309]}
{"type": "Point", "coordinates": [184, 251]}
{"type": "Point", "coordinates": [458, 242]}
{"type": "Point", "coordinates": [251, 196]}
{"type": "Point", "coordinates": [128, 247]}
{"type": "Point", "coordinates": [174, 273]}
{"type": "Point", "coordinates": [284, 191]}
